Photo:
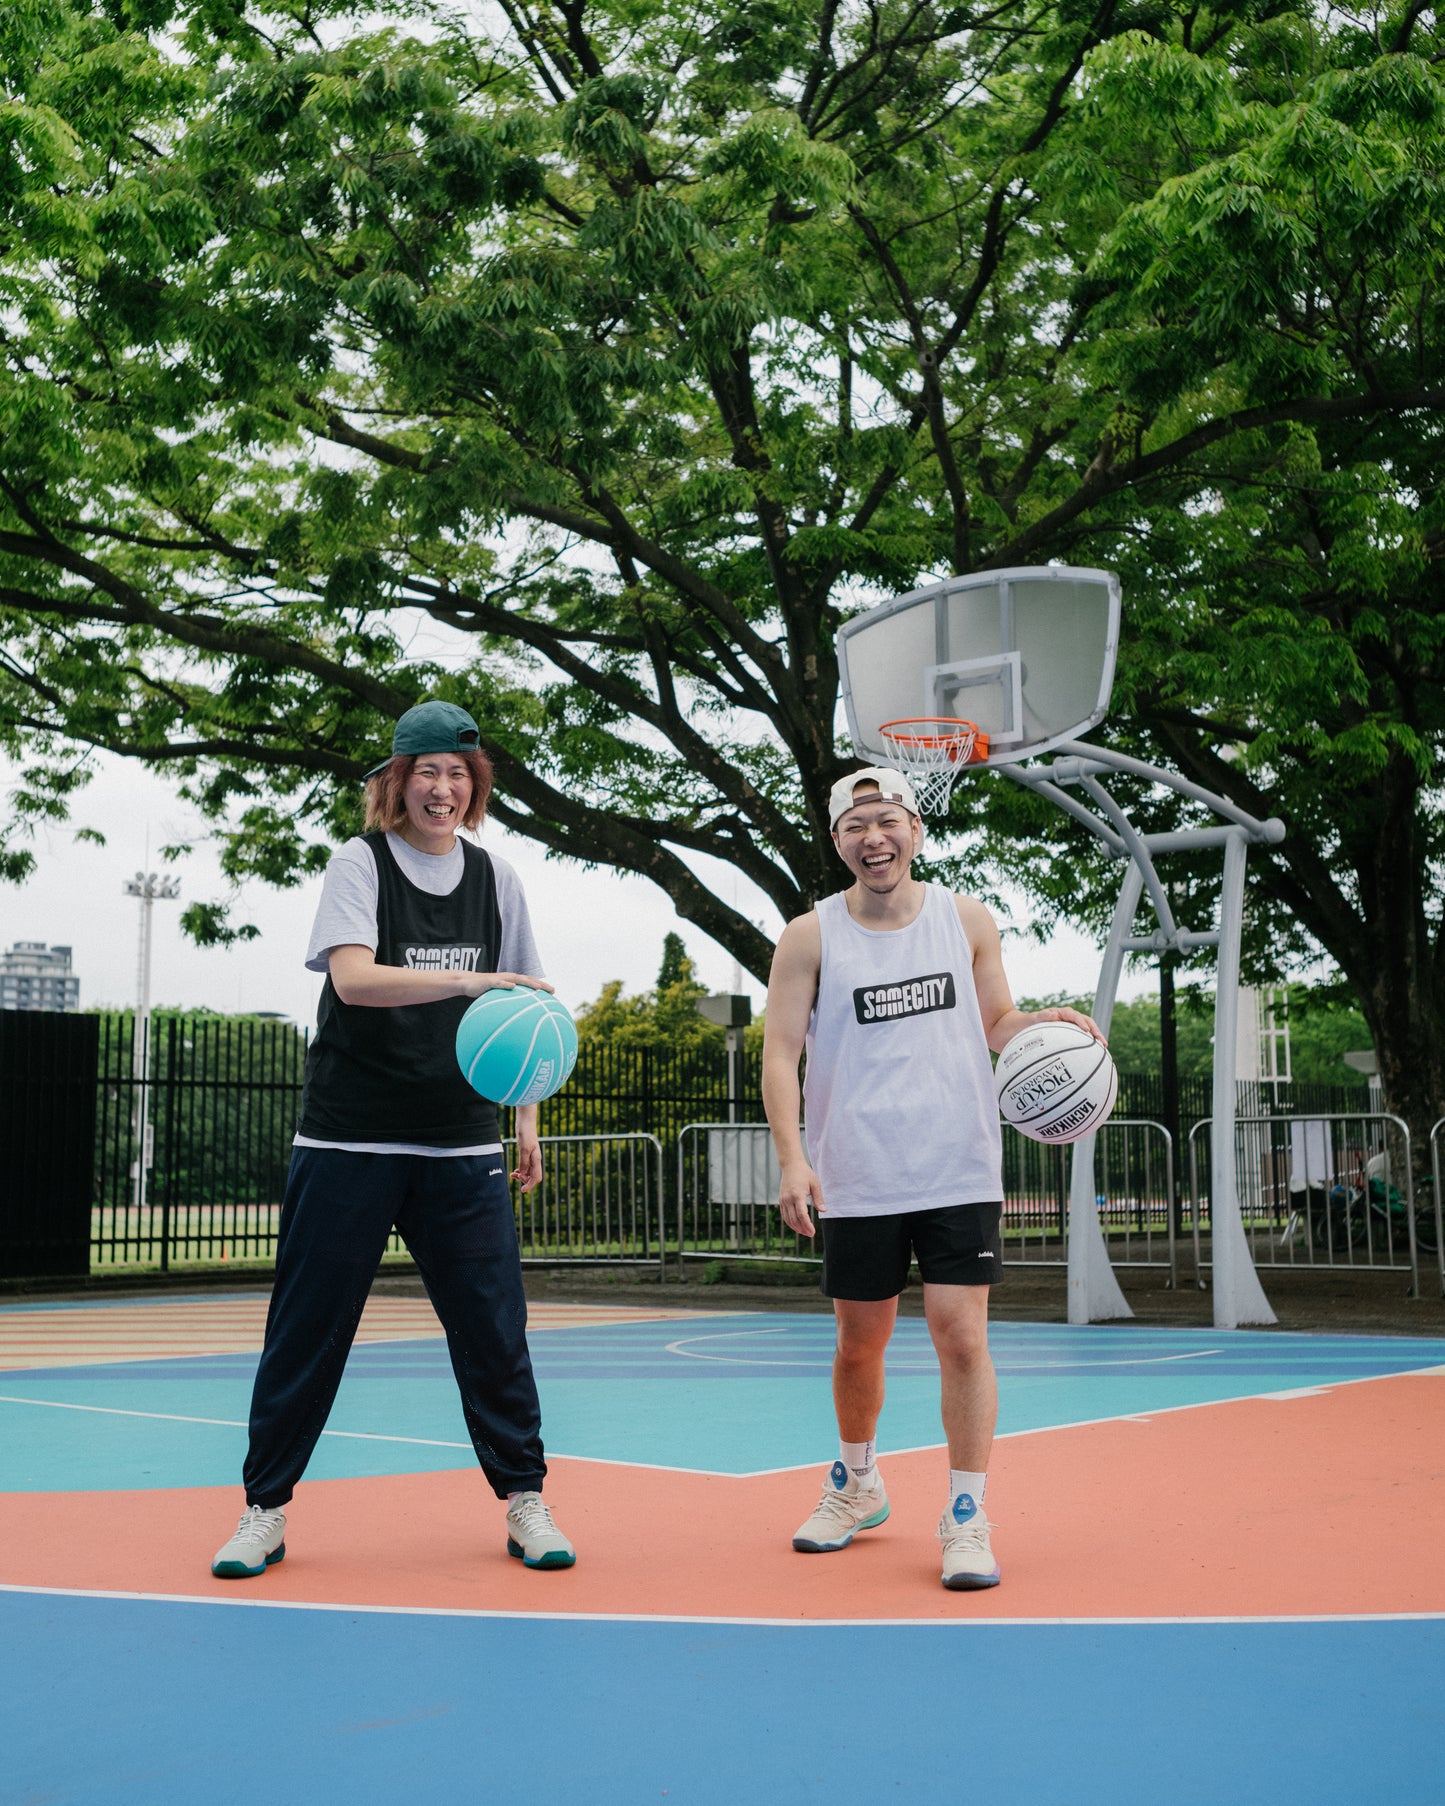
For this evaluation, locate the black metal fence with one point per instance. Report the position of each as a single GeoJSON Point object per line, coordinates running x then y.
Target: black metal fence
{"type": "Point", "coordinates": [620, 1089]}
{"type": "Point", "coordinates": [215, 1113]}
{"type": "Point", "coordinates": [214, 1107]}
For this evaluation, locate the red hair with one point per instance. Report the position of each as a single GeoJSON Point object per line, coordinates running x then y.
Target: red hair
{"type": "Point", "coordinates": [386, 792]}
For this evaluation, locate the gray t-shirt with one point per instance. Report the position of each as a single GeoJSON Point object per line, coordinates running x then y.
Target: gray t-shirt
{"type": "Point", "coordinates": [346, 914]}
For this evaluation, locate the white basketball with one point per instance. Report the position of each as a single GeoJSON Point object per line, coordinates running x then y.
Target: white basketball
{"type": "Point", "coordinates": [1055, 1082]}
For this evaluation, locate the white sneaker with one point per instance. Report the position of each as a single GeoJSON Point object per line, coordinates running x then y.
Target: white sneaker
{"type": "Point", "coordinates": [532, 1534]}
{"type": "Point", "coordinates": [844, 1509]}
{"type": "Point", "coordinates": [260, 1539]}
{"type": "Point", "coordinates": [968, 1561]}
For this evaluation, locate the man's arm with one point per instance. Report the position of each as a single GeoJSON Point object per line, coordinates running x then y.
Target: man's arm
{"type": "Point", "coordinates": [1002, 1018]}
{"type": "Point", "coordinates": [358, 979]}
{"type": "Point", "coordinates": [792, 989]}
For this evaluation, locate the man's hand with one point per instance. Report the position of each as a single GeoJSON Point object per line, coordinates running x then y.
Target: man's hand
{"type": "Point", "coordinates": [528, 1171]}
{"type": "Point", "coordinates": [1077, 1017]}
{"type": "Point", "coordinates": [800, 1188]}
{"type": "Point", "coordinates": [478, 982]}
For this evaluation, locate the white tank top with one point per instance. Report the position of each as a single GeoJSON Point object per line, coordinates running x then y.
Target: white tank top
{"type": "Point", "coordinates": [898, 1098]}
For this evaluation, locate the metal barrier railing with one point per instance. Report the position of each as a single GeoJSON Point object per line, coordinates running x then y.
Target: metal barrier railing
{"type": "Point", "coordinates": [727, 1196]}
{"type": "Point", "coordinates": [1332, 1191]}
{"type": "Point", "coordinates": [602, 1200]}
{"type": "Point", "coordinates": [1133, 1187]}
{"type": "Point", "coordinates": [1138, 1203]}
{"type": "Point", "coordinates": [1035, 1223]}
{"type": "Point", "coordinates": [600, 1203]}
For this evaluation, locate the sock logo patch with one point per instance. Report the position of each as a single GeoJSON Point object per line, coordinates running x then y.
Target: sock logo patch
{"type": "Point", "coordinates": [838, 1474]}
{"type": "Point", "coordinates": [964, 1508]}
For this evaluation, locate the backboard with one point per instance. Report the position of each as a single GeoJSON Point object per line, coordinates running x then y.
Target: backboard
{"type": "Point", "coordinates": [1028, 654]}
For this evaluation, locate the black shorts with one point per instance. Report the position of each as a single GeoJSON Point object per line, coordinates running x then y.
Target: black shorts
{"type": "Point", "coordinates": [866, 1259]}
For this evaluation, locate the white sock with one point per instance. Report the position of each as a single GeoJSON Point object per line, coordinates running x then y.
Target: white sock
{"type": "Point", "coordinates": [960, 1480]}
{"type": "Point", "coordinates": [858, 1458]}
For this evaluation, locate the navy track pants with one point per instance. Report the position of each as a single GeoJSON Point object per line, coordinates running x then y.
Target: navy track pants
{"type": "Point", "coordinates": [455, 1216]}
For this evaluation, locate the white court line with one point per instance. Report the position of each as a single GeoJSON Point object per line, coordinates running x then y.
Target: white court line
{"type": "Point", "coordinates": [683, 1347]}
{"type": "Point", "coordinates": [796, 1467]}
{"type": "Point", "coordinates": [662, 1467]}
{"type": "Point", "coordinates": [429, 1442]}
{"type": "Point", "coordinates": [224, 1423]}
{"type": "Point", "coordinates": [974, 1626]}
{"type": "Point", "coordinates": [1094, 1423]}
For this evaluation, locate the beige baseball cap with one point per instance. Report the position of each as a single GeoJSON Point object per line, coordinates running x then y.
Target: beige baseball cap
{"type": "Point", "coordinates": [893, 787]}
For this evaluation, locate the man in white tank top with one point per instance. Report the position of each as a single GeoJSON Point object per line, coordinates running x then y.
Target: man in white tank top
{"type": "Point", "coordinates": [897, 990]}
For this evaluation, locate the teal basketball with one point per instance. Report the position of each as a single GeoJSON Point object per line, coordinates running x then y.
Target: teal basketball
{"type": "Point", "coordinates": [517, 1046]}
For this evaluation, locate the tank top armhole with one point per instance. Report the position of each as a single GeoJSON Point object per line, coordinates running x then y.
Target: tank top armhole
{"type": "Point", "coordinates": [471, 852]}
{"type": "Point", "coordinates": [951, 903]}
{"type": "Point", "coordinates": [820, 910]}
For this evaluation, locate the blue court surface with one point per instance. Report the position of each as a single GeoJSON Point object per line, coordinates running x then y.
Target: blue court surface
{"type": "Point", "coordinates": [1212, 1588]}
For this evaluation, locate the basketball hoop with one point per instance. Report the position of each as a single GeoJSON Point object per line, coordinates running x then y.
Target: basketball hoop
{"type": "Point", "coordinates": [932, 751]}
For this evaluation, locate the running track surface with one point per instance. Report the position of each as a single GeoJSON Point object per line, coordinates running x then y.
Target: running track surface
{"type": "Point", "coordinates": [1223, 1553]}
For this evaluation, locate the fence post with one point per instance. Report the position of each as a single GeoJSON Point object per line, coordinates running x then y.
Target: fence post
{"type": "Point", "coordinates": [164, 1176]}
{"type": "Point", "coordinates": [1439, 1203]}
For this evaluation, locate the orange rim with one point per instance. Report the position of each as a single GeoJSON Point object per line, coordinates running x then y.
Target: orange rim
{"type": "Point", "coordinates": [924, 737]}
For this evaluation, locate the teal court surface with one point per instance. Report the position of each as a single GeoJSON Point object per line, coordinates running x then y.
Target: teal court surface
{"type": "Point", "coordinates": [1223, 1572]}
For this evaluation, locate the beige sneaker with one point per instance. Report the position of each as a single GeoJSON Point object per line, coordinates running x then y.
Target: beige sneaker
{"type": "Point", "coordinates": [260, 1539]}
{"type": "Point", "coordinates": [844, 1509]}
{"type": "Point", "coordinates": [532, 1535]}
{"type": "Point", "coordinates": [968, 1561]}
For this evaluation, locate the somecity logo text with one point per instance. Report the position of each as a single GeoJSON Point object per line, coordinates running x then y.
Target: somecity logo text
{"type": "Point", "coordinates": [443, 959]}
{"type": "Point", "coordinates": [913, 997]}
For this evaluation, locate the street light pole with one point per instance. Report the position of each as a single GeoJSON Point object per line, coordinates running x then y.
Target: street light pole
{"type": "Point", "coordinates": [148, 886]}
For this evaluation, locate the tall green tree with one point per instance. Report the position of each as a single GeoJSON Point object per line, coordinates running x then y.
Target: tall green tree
{"type": "Point", "coordinates": [633, 349]}
{"type": "Point", "coordinates": [677, 967]}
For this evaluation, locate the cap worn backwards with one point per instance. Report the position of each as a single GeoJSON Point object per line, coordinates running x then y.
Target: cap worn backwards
{"type": "Point", "coordinates": [893, 787]}
{"type": "Point", "coordinates": [431, 727]}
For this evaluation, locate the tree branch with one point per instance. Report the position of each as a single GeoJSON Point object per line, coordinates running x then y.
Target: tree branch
{"type": "Point", "coordinates": [1105, 477]}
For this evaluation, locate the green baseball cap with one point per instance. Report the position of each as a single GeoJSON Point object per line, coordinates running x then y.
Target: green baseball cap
{"type": "Point", "coordinates": [431, 727]}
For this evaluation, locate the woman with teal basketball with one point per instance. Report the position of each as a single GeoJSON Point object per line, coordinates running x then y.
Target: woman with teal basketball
{"type": "Point", "coordinates": [413, 925]}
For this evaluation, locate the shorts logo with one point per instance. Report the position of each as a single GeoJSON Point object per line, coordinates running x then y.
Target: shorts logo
{"type": "Point", "coordinates": [913, 997]}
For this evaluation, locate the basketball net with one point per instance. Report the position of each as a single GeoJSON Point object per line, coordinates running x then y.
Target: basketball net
{"type": "Point", "coordinates": [932, 750]}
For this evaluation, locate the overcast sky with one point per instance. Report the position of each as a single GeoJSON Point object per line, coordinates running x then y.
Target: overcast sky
{"type": "Point", "coordinates": [591, 926]}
